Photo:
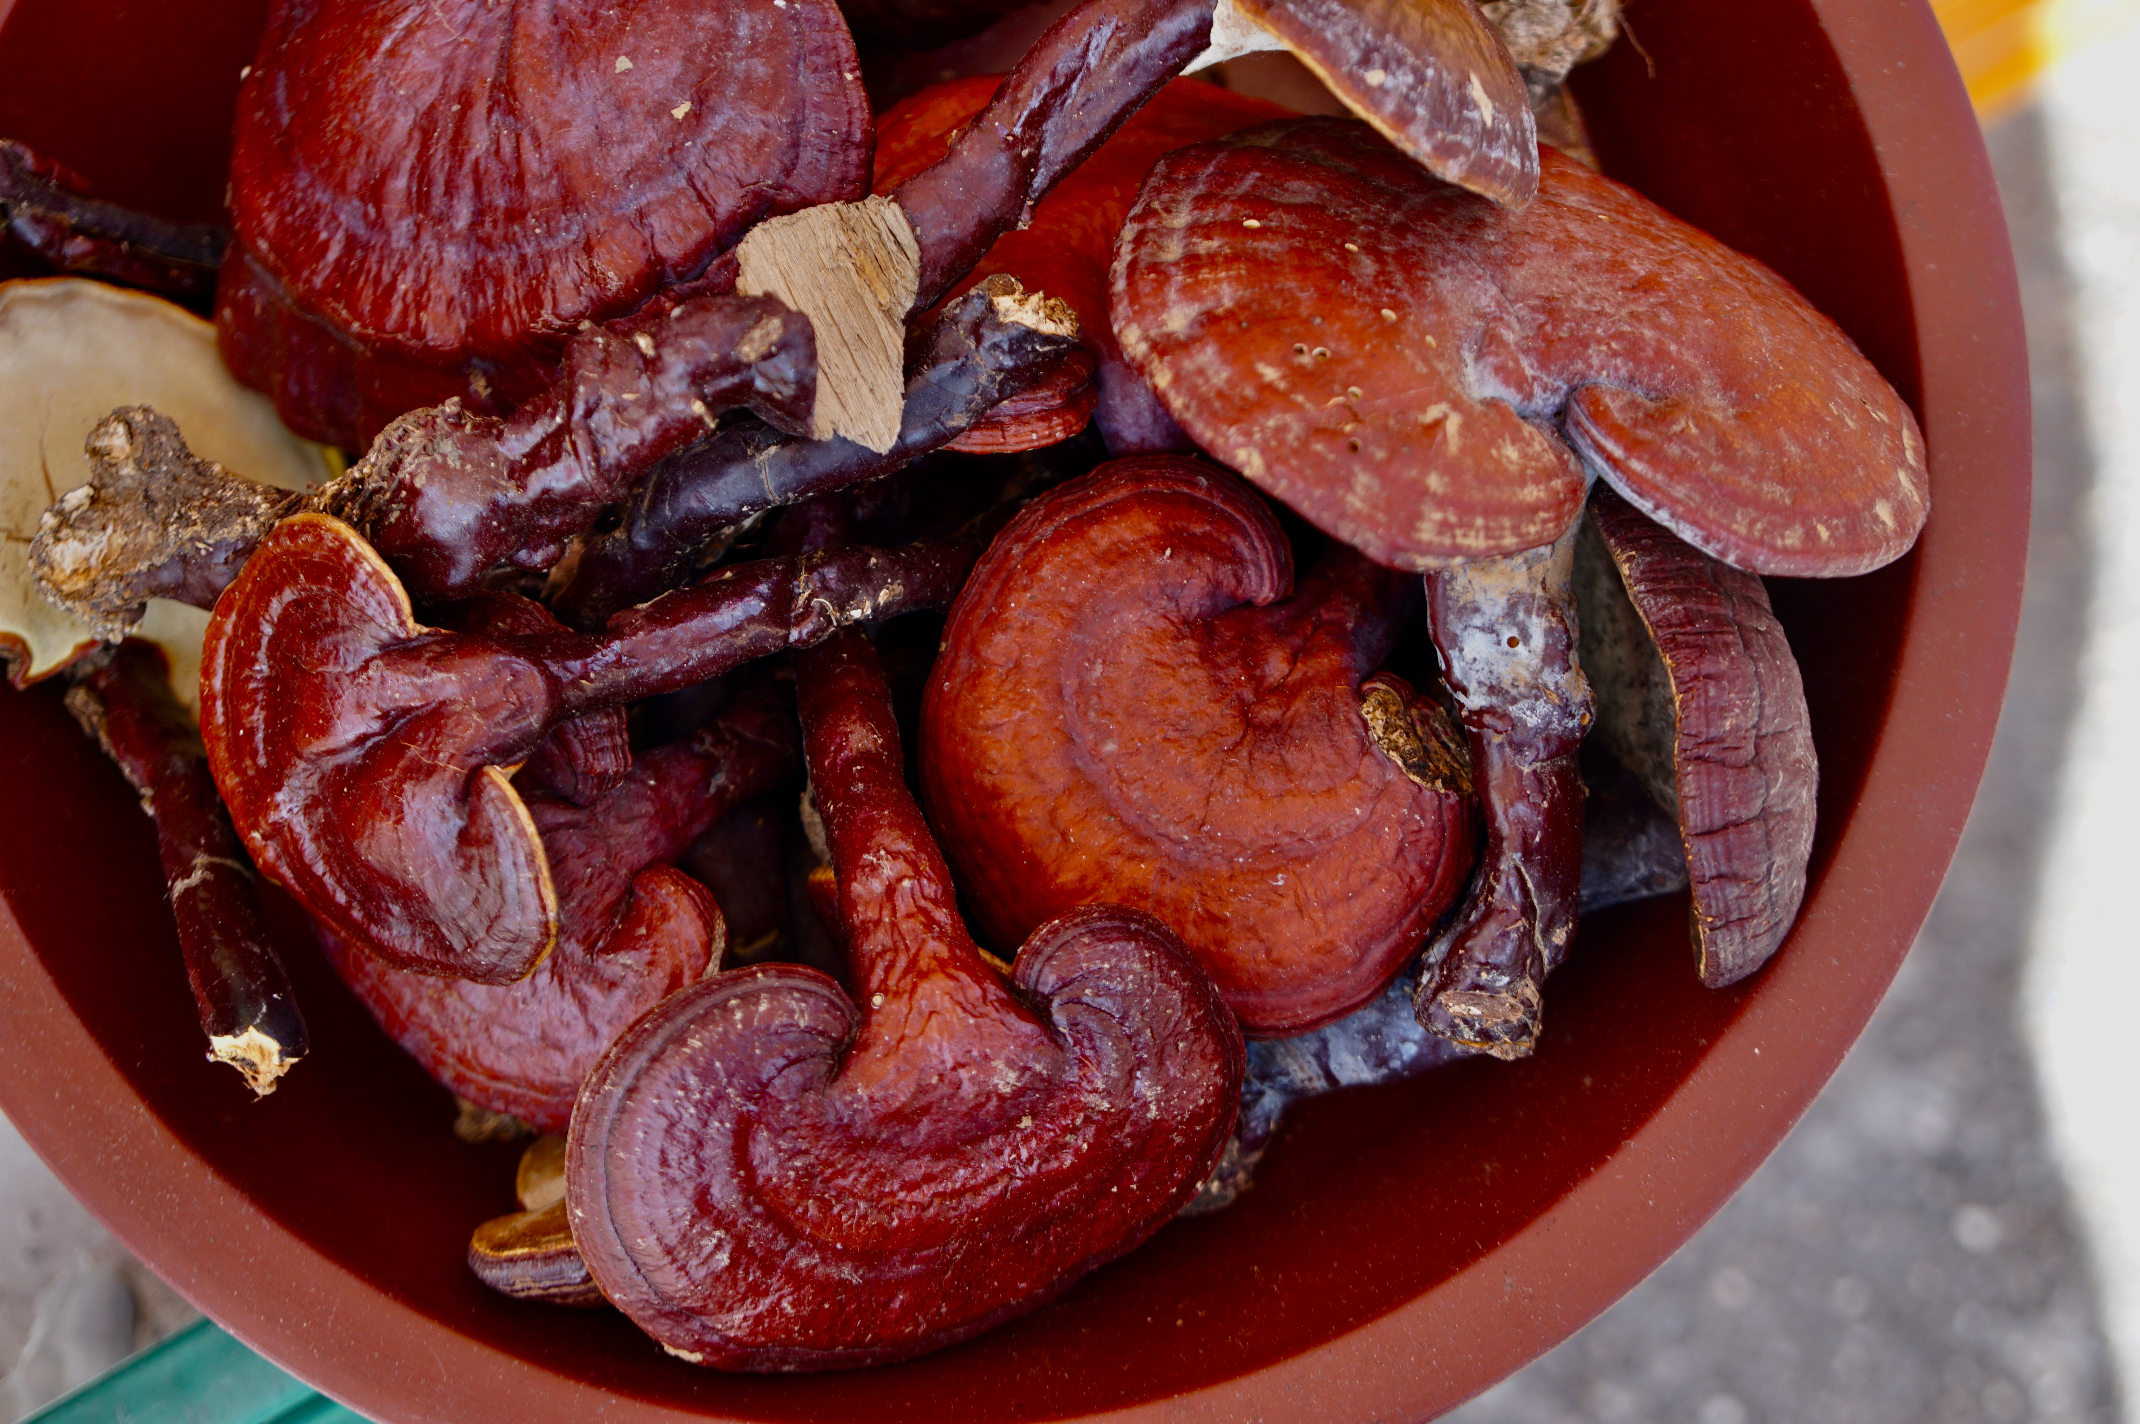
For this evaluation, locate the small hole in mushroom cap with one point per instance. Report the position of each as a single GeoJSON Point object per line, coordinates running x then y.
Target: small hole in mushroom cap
{"type": "Point", "coordinates": [1300, 348]}
{"type": "Point", "coordinates": [1322, 353]}
{"type": "Point", "coordinates": [1353, 445]}
{"type": "Point", "coordinates": [1353, 391]}
{"type": "Point", "coordinates": [1514, 641]}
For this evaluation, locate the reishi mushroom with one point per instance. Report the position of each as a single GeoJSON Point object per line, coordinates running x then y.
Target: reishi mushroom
{"type": "Point", "coordinates": [1461, 374]}
{"type": "Point", "coordinates": [363, 756]}
{"type": "Point", "coordinates": [428, 198]}
{"type": "Point", "coordinates": [1506, 631]}
{"type": "Point", "coordinates": [766, 1175]}
{"type": "Point", "coordinates": [1699, 696]}
{"type": "Point", "coordinates": [1461, 366]}
{"type": "Point", "coordinates": [630, 929]}
{"type": "Point", "coordinates": [69, 350]}
{"type": "Point", "coordinates": [1134, 704]}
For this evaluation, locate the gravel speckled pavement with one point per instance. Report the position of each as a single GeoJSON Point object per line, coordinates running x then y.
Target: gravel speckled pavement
{"type": "Point", "coordinates": [1909, 1255]}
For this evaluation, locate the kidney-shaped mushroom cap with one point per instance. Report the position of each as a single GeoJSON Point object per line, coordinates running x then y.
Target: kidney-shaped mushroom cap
{"type": "Point", "coordinates": [1699, 695]}
{"type": "Point", "coordinates": [1130, 708]}
{"type": "Point", "coordinates": [1391, 356]}
{"type": "Point", "coordinates": [459, 179]}
{"type": "Point", "coordinates": [764, 1175]}
{"type": "Point", "coordinates": [362, 756]}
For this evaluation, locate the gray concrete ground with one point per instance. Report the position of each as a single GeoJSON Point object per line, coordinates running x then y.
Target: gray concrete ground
{"type": "Point", "coordinates": [1908, 1255]}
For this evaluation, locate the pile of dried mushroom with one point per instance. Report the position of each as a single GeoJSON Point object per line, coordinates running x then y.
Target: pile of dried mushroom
{"type": "Point", "coordinates": [673, 367]}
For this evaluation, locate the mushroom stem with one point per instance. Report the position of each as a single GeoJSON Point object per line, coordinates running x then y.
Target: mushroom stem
{"type": "Point", "coordinates": [991, 344]}
{"type": "Point", "coordinates": [124, 700]}
{"type": "Point", "coordinates": [1506, 632]}
{"type": "Point", "coordinates": [39, 210]}
{"type": "Point", "coordinates": [1077, 84]}
{"type": "Point", "coordinates": [447, 495]}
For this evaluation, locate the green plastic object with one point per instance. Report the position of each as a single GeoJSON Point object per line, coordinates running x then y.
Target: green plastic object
{"type": "Point", "coordinates": [198, 1376]}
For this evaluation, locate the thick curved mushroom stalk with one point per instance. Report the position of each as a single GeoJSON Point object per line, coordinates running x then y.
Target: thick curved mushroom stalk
{"type": "Point", "coordinates": [45, 209]}
{"type": "Point", "coordinates": [448, 496]}
{"type": "Point", "coordinates": [1390, 357]}
{"type": "Point", "coordinates": [1506, 632]}
{"type": "Point", "coordinates": [70, 350]}
{"type": "Point", "coordinates": [1698, 693]}
{"type": "Point", "coordinates": [364, 756]}
{"type": "Point", "coordinates": [1134, 705]}
{"type": "Point", "coordinates": [767, 1176]}
{"type": "Point", "coordinates": [247, 1009]}
{"type": "Point", "coordinates": [577, 170]}
{"type": "Point", "coordinates": [1069, 244]}
{"type": "Point", "coordinates": [994, 343]}
{"type": "Point", "coordinates": [630, 929]}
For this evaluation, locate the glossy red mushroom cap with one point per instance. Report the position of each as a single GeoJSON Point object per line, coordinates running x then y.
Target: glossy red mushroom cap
{"type": "Point", "coordinates": [1426, 375]}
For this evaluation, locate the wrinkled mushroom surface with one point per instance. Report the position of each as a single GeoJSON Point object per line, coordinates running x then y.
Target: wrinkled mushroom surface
{"type": "Point", "coordinates": [630, 930]}
{"type": "Point", "coordinates": [1135, 705]}
{"type": "Point", "coordinates": [71, 350]}
{"type": "Point", "coordinates": [766, 1175]}
{"type": "Point", "coordinates": [1699, 695]}
{"type": "Point", "coordinates": [1393, 358]}
{"type": "Point", "coordinates": [427, 197]}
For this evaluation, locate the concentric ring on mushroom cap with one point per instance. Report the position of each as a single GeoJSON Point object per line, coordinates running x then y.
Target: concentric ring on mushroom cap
{"type": "Point", "coordinates": [1408, 365]}
{"type": "Point", "coordinates": [465, 179]}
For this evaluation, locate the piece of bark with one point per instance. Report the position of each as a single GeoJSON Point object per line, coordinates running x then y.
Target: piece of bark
{"type": "Point", "coordinates": [992, 343]}
{"type": "Point", "coordinates": [247, 1008]}
{"type": "Point", "coordinates": [1699, 695]}
{"type": "Point", "coordinates": [43, 207]}
{"type": "Point", "coordinates": [852, 268]}
{"type": "Point", "coordinates": [1506, 632]}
